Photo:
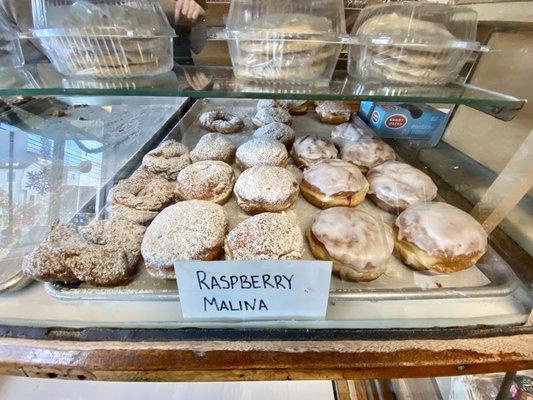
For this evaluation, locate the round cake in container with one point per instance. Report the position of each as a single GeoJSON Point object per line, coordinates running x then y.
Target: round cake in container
{"type": "Point", "coordinates": [412, 43]}
{"type": "Point", "coordinates": [292, 42]}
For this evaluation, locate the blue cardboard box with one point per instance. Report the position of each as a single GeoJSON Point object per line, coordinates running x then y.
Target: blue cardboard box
{"type": "Point", "coordinates": [404, 121]}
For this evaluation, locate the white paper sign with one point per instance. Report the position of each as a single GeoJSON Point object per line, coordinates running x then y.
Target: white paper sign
{"type": "Point", "coordinates": [253, 290]}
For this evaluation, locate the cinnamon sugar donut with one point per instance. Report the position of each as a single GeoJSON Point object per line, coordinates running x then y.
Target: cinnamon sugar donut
{"type": "Point", "coordinates": [276, 131]}
{"type": "Point", "coordinates": [189, 230]}
{"type": "Point", "coordinates": [167, 160]}
{"type": "Point", "coordinates": [308, 150]}
{"type": "Point", "coordinates": [206, 180]}
{"type": "Point", "coordinates": [221, 121]}
{"type": "Point", "coordinates": [261, 152]}
{"type": "Point", "coordinates": [267, 236]}
{"type": "Point", "coordinates": [266, 116]}
{"type": "Point", "coordinates": [214, 146]}
{"type": "Point", "coordinates": [266, 188]}
{"type": "Point", "coordinates": [367, 153]}
{"type": "Point", "coordinates": [359, 245]}
{"type": "Point", "coordinates": [333, 112]}
{"type": "Point", "coordinates": [394, 186]}
{"type": "Point", "coordinates": [439, 237]}
{"type": "Point", "coordinates": [331, 183]}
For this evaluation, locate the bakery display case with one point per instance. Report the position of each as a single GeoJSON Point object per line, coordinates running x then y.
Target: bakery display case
{"type": "Point", "coordinates": [330, 252]}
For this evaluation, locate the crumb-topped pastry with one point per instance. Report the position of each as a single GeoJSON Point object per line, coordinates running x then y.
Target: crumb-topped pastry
{"type": "Point", "coordinates": [439, 237]}
{"type": "Point", "coordinates": [394, 186]}
{"type": "Point", "coordinates": [214, 146]}
{"type": "Point", "coordinates": [189, 230]}
{"type": "Point", "coordinates": [308, 150]}
{"type": "Point", "coordinates": [266, 189]}
{"type": "Point", "coordinates": [267, 236]}
{"type": "Point", "coordinates": [359, 245]}
{"type": "Point", "coordinates": [167, 160]}
{"type": "Point", "coordinates": [367, 153]}
{"type": "Point", "coordinates": [261, 152]}
{"type": "Point", "coordinates": [331, 183]}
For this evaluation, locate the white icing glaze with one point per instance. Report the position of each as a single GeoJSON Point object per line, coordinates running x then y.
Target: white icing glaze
{"type": "Point", "coordinates": [354, 237]}
{"type": "Point", "coordinates": [262, 152]}
{"type": "Point", "coordinates": [398, 183]}
{"type": "Point", "coordinates": [367, 152]}
{"type": "Point", "coordinates": [265, 183]}
{"type": "Point", "coordinates": [314, 148]}
{"type": "Point", "coordinates": [335, 176]}
{"type": "Point", "coordinates": [439, 228]}
{"type": "Point", "coordinates": [346, 132]}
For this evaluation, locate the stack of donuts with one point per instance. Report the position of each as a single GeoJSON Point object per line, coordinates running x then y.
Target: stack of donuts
{"type": "Point", "coordinates": [174, 206]}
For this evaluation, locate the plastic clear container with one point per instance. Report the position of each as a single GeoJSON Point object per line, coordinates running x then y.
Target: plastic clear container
{"type": "Point", "coordinates": [104, 38]}
{"type": "Point", "coordinates": [412, 43]}
{"type": "Point", "coordinates": [295, 41]}
{"type": "Point", "coordinates": [10, 51]}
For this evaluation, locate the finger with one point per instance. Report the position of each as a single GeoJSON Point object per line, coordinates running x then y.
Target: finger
{"type": "Point", "coordinates": [186, 6]}
{"type": "Point", "coordinates": [195, 13]}
{"type": "Point", "coordinates": [177, 10]}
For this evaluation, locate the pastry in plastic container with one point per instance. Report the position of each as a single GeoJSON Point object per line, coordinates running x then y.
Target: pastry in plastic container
{"type": "Point", "coordinates": [412, 43]}
{"type": "Point", "coordinates": [111, 38]}
{"type": "Point", "coordinates": [295, 41]}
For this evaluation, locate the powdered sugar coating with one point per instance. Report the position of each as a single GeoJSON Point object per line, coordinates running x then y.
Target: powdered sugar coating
{"type": "Point", "coordinates": [338, 108]}
{"type": "Point", "coordinates": [268, 115]}
{"type": "Point", "coordinates": [311, 149]}
{"type": "Point", "coordinates": [141, 194]}
{"type": "Point", "coordinates": [262, 152]}
{"type": "Point", "coordinates": [367, 153]}
{"type": "Point", "coordinates": [267, 236]}
{"type": "Point", "coordinates": [206, 180]}
{"type": "Point", "coordinates": [441, 230]}
{"type": "Point", "coordinates": [266, 184]}
{"type": "Point", "coordinates": [221, 121]}
{"type": "Point", "coordinates": [400, 184]}
{"type": "Point", "coordinates": [332, 177]}
{"type": "Point", "coordinates": [276, 131]}
{"type": "Point", "coordinates": [354, 237]}
{"type": "Point", "coordinates": [269, 103]}
{"type": "Point", "coordinates": [167, 160]}
{"type": "Point", "coordinates": [189, 230]}
{"type": "Point", "coordinates": [214, 146]}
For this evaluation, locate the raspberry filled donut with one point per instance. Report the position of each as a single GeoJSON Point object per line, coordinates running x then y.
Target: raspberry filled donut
{"type": "Point", "coordinates": [394, 186]}
{"type": "Point", "coordinates": [167, 160]}
{"type": "Point", "coordinates": [261, 152]}
{"type": "Point", "coordinates": [214, 146]}
{"type": "Point", "coordinates": [332, 183]}
{"type": "Point", "coordinates": [367, 153]}
{"type": "Point", "coordinates": [221, 121]}
{"type": "Point", "coordinates": [359, 245]}
{"type": "Point", "coordinates": [265, 188]}
{"type": "Point", "coordinates": [439, 237]}
{"type": "Point", "coordinates": [308, 150]}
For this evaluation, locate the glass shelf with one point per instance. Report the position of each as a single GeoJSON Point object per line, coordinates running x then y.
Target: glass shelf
{"type": "Point", "coordinates": [219, 82]}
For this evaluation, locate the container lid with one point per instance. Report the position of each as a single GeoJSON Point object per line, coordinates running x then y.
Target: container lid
{"type": "Point", "coordinates": [421, 25]}
{"type": "Point", "coordinates": [120, 18]}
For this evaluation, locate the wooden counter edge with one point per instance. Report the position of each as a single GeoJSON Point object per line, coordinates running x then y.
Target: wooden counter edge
{"type": "Point", "coordinates": [195, 361]}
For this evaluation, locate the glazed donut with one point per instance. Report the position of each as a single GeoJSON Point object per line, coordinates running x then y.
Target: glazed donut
{"type": "Point", "coordinates": [266, 116]}
{"type": "Point", "coordinates": [359, 245]}
{"type": "Point", "coordinates": [308, 150]}
{"type": "Point", "coordinates": [394, 186]}
{"type": "Point", "coordinates": [332, 183]}
{"type": "Point", "coordinates": [206, 180]}
{"type": "Point", "coordinates": [346, 133]}
{"type": "Point", "coordinates": [261, 152]}
{"type": "Point", "coordinates": [439, 237]}
{"type": "Point", "coordinates": [267, 236]}
{"type": "Point", "coordinates": [265, 188]}
{"type": "Point", "coordinates": [333, 112]}
{"type": "Point", "coordinates": [214, 146]}
{"type": "Point", "coordinates": [167, 160]}
{"type": "Point", "coordinates": [276, 131]}
{"type": "Point", "coordinates": [221, 121]}
{"type": "Point", "coordinates": [189, 230]}
{"type": "Point", "coordinates": [367, 153]}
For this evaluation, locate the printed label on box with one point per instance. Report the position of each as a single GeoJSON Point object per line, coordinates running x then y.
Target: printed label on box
{"type": "Point", "coordinates": [253, 290]}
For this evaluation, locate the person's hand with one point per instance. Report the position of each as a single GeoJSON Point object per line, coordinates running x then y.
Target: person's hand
{"type": "Point", "coordinates": [187, 8]}
{"type": "Point", "coordinates": [197, 79]}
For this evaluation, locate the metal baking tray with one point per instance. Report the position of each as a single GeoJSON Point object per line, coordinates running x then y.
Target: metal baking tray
{"type": "Point", "coordinates": [491, 277]}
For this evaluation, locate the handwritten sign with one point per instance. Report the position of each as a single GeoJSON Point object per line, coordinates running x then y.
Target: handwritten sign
{"type": "Point", "coordinates": [253, 290]}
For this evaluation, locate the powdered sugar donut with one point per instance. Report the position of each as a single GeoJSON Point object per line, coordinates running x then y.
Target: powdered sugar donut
{"type": "Point", "coordinates": [214, 146]}
{"type": "Point", "coordinates": [221, 121]}
{"type": "Point", "coordinates": [394, 186]}
{"type": "Point", "coordinates": [266, 188]}
{"type": "Point", "coordinates": [261, 152]}
{"type": "Point", "coordinates": [277, 131]}
{"type": "Point", "coordinates": [206, 180]}
{"type": "Point", "coordinates": [167, 160]}
{"type": "Point", "coordinates": [294, 107]}
{"type": "Point", "coordinates": [266, 116]}
{"type": "Point", "coordinates": [308, 150]}
{"type": "Point", "coordinates": [189, 230]}
{"type": "Point", "coordinates": [333, 112]}
{"type": "Point", "coordinates": [359, 245]}
{"type": "Point", "coordinates": [439, 237]}
{"type": "Point", "coordinates": [267, 236]}
{"type": "Point", "coordinates": [367, 153]}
